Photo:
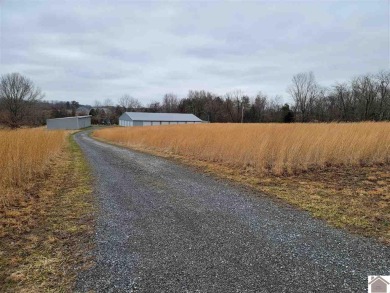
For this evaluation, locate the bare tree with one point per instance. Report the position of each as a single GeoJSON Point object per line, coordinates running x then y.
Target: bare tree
{"type": "Point", "coordinates": [129, 103]}
{"type": "Point", "coordinates": [97, 104]}
{"type": "Point", "coordinates": [259, 105]}
{"type": "Point", "coordinates": [344, 101]}
{"type": "Point", "coordinates": [383, 80]}
{"type": "Point", "coordinates": [303, 91]}
{"type": "Point", "coordinates": [273, 109]}
{"type": "Point", "coordinates": [17, 95]}
{"type": "Point", "coordinates": [108, 102]}
{"type": "Point", "coordinates": [320, 109]}
{"type": "Point", "coordinates": [214, 108]}
{"type": "Point", "coordinates": [74, 106]}
{"type": "Point", "coordinates": [245, 104]}
{"type": "Point", "coordinates": [170, 103]}
{"type": "Point", "coordinates": [234, 100]}
{"type": "Point", "coordinates": [154, 107]}
{"type": "Point", "coordinates": [365, 91]}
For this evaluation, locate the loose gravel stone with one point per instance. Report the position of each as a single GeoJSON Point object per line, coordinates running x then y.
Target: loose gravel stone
{"type": "Point", "coordinates": [163, 227]}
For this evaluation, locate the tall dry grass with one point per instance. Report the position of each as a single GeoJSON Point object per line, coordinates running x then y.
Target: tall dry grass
{"type": "Point", "coordinates": [25, 155]}
{"type": "Point", "coordinates": [272, 148]}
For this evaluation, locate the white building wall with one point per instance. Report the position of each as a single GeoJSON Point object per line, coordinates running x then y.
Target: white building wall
{"type": "Point", "coordinates": [154, 123]}
{"type": "Point", "coordinates": [127, 123]}
{"type": "Point", "coordinates": [122, 122]}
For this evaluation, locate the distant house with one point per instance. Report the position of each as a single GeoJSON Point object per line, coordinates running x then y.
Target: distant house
{"type": "Point", "coordinates": [106, 110]}
{"type": "Point", "coordinates": [149, 119]}
{"type": "Point", "coordinates": [83, 110]}
{"type": "Point", "coordinates": [76, 122]}
{"type": "Point", "coordinates": [378, 285]}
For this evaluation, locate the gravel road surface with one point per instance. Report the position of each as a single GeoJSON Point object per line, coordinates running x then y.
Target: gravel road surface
{"type": "Point", "coordinates": [163, 227]}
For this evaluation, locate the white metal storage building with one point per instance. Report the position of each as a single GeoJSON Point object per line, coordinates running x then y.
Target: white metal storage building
{"type": "Point", "coordinates": [149, 119]}
{"type": "Point", "coordinates": [76, 122]}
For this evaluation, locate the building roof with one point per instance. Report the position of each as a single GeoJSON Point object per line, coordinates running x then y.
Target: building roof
{"type": "Point", "coordinates": [71, 117]}
{"type": "Point", "coordinates": [143, 116]}
{"type": "Point", "coordinates": [378, 278]}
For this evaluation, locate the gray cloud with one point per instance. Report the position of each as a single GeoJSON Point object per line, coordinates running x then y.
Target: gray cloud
{"type": "Point", "coordinates": [90, 50]}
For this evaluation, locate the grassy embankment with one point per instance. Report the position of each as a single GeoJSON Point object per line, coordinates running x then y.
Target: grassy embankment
{"type": "Point", "coordinates": [45, 211]}
{"type": "Point", "coordinates": [340, 172]}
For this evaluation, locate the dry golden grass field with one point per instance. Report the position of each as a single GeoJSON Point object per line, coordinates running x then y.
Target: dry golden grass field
{"type": "Point", "coordinates": [338, 171]}
{"type": "Point", "coordinates": [45, 210]}
{"type": "Point", "coordinates": [25, 155]}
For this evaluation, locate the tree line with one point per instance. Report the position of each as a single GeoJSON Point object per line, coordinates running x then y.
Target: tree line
{"type": "Point", "coordinates": [365, 97]}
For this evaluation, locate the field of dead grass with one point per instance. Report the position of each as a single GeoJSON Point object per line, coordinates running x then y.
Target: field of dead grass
{"type": "Point", "coordinates": [340, 172]}
{"type": "Point", "coordinates": [25, 155]}
{"type": "Point", "coordinates": [46, 234]}
{"type": "Point", "coordinates": [266, 148]}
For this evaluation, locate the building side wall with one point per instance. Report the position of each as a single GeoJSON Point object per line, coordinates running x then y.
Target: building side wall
{"type": "Point", "coordinates": [67, 123]}
{"type": "Point", "coordinates": [153, 123]}
{"type": "Point", "coordinates": [84, 122]}
{"type": "Point", "coordinates": [125, 123]}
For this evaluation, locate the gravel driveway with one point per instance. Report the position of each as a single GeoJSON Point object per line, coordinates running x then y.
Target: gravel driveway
{"type": "Point", "coordinates": [163, 227]}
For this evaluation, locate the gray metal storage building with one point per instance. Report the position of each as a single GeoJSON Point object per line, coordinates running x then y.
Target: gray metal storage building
{"type": "Point", "coordinates": [149, 119]}
{"type": "Point", "coordinates": [76, 122]}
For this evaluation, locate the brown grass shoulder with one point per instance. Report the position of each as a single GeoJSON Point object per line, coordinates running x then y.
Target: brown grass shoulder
{"type": "Point", "coordinates": [45, 236]}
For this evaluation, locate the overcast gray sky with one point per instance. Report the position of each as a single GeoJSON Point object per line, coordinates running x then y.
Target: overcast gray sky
{"type": "Point", "coordinates": [93, 50]}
